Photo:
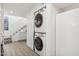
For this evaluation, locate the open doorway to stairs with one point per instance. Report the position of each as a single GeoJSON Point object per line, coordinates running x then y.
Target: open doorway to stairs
{"type": "Point", "coordinates": [23, 34]}
{"type": "Point", "coordinates": [15, 30]}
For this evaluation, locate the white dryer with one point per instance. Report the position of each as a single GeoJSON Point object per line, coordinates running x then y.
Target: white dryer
{"type": "Point", "coordinates": [40, 44]}
{"type": "Point", "coordinates": [40, 32]}
{"type": "Point", "coordinates": [40, 21]}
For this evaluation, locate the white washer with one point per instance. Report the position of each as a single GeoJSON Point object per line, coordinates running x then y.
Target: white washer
{"type": "Point", "coordinates": [40, 32]}
{"type": "Point", "coordinates": [40, 44]}
{"type": "Point", "coordinates": [40, 21]}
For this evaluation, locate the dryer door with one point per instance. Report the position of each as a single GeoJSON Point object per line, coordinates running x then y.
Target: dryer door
{"type": "Point", "coordinates": [38, 43]}
{"type": "Point", "coordinates": [38, 20]}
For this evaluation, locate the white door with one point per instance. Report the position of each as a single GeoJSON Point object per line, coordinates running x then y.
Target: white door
{"type": "Point", "coordinates": [67, 33]}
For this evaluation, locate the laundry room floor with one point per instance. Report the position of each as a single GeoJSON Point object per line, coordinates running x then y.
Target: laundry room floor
{"type": "Point", "coordinates": [18, 49]}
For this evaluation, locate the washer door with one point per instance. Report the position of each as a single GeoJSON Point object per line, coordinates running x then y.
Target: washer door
{"type": "Point", "coordinates": [38, 43]}
{"type": "Point", "coordinates": [38, 20]}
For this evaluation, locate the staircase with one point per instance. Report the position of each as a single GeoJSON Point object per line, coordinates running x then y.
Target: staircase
{"type": "Point", "coordinates": [17, 35]}
{"type": "Point", "coordinates": [18, 26]}
{"type": "Point", "coordinates": [9, 40]}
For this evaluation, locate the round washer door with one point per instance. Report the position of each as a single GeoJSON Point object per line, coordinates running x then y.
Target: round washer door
{"type": "Point", "coordinates": [38, 43]}
{"type": "Point", "coordinates": [38, 20]}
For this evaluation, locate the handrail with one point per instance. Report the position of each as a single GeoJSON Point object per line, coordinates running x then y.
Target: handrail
{"type": "Point", "coordinates": [19, 30]}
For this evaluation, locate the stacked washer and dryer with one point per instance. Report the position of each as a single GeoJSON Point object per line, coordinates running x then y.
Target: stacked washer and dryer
{"type": "Point", "coordinates": [40, 31]}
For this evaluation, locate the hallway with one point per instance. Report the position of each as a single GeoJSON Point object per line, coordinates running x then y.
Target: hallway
{"type": "Point", "coordinates": [49, 29]}
{"type": "Point", "coordinates": [18, 49]}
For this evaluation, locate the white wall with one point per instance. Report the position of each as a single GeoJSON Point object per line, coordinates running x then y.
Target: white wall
{"type": "Point", "coordinates": [50, 30]}
{"type": "Point", "coordinates": [67, 33]}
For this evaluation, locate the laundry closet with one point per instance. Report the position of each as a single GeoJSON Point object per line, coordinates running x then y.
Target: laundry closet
{"type": "Point", "coordinates": [44, 32]}
{"type": "Point", "coordinates": [53, 32]}
{"type": "Point", "coordinates": [42, 25]}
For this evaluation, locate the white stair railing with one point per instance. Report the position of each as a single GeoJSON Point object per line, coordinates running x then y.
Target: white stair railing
{"type": "Point", "coordinates": [17, 28]}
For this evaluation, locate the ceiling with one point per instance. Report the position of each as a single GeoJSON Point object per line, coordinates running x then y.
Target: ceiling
{"type": "Point", "coordinates": [61, 5]}
{"type": "Point", "coordinates": [20, 9]}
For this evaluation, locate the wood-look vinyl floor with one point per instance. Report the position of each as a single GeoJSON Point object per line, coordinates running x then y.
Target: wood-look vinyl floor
{"type": "Point", "coordinates": [18, 49]}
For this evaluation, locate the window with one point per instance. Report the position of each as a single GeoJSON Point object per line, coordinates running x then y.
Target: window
{"type": "Point", "coordinates": [5, 23]}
